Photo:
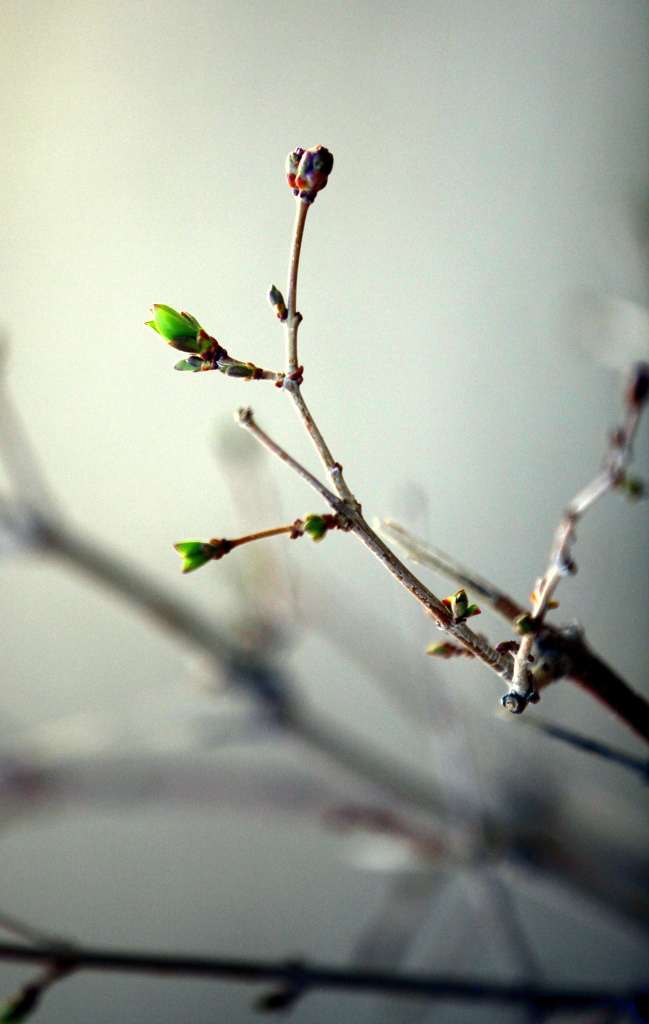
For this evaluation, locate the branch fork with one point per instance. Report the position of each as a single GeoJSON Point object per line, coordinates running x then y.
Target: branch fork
{"type": "Point", "coordinates": [307, 174]}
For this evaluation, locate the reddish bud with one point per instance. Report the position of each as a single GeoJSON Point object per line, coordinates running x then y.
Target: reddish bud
{"type": "Point", "coordinates": [308, 170]}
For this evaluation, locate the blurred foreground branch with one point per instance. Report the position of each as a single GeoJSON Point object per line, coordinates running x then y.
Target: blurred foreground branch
{"type": "Point", "coordinates": [297, 979]}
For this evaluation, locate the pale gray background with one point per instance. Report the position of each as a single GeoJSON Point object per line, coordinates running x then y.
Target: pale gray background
{"type": "Point", "coordinates": [488, 162]}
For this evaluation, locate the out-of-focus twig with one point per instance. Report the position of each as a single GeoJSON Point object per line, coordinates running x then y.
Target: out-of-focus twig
{"type": "Point", "coordinates": [305, 978]}
{"type": "Point", "coordinates": [23, 1003]}
{"type": "Point", "coordinates": [603, 750]}
{"type": "Point", "coordinates": [433, 558]}
{"type": "Point", "coordinates": [24, 930]}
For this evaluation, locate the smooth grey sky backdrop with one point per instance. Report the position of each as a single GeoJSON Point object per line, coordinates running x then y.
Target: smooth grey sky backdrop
{"type": "Point", "coordinates": [488, 163]}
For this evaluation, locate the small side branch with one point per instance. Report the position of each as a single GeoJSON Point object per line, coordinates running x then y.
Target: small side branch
{"type": "Point", "coordinates": [245, 418]}
{"type": "Point", "coordinates": [612, 476]}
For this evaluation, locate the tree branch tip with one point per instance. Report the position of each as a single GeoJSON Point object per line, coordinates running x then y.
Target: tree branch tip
{"type": "Point", "coordinates": [244, 416]}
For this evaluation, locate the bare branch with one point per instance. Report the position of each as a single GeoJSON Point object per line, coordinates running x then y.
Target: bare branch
{"type": "Point", "coordinates": [612, 476]}
{"type": "Point", "coordinates": [293, 319]}
{"type": "Point", "coordinates": [294, 371]}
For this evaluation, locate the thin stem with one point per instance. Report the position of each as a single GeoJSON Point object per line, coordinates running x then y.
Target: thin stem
{"type": "Point", "coordinates": [433, 558]}
{"type": "Point", "coordinates": [305, 977]}
{"type": "Point", "coordinates": [293, 371]}
{"type": "Point", "coordinates": [333, 468]}
{"type": "Point", "coordinates": [293, 319]}
{"type": "Point", "coordinates": [246, 419]}
{"type": "Point", "coordinates": [262, 535]}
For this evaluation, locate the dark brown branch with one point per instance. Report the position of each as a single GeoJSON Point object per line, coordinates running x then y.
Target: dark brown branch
{"type": "Point", "coordinates": [589, 671]}
{"type": "Point", "coordinates": [302, 978]}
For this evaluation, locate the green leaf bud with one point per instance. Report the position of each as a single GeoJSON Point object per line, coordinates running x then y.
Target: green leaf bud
{"type": "Point", "coordinates": [633, 488]}
{"type": "Point", "coordinates": [315, 526]}
{"type": "Point", "coordinates": [189, 548]}
{"type": "Point", "coordinates": [194, 363]}
{"type": "Point", "coordinates": [244, 370]}
{"type": "Point", "coordinates": [194, 553]}
{"type": "Point", "coordinates": [459, 604]}
{"type": "Point", "coordinates": [472, 610]}
{"type": "Point", "coordinates": [180, 330]}
{"type": "Point", "coordinates": [524, 624]}
{"type": "Point", "coordinates": [441, 650]}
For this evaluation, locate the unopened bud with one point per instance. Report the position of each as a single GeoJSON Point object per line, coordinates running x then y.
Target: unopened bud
{"type": "Point", "coordinates": [524, 624]}
{"type": "Point", "coordinates": [194, 553]}
{"type": "Point", "coordinates": [458, 606]}
{"type": "Point", "coordinates": [308, 170]}
{"type": "Point", "coordinates": [276, 300]}
{"type": "Point", "coordinates": [193, 363]}
{"type": "Point", "coordinates": [316, 526]}
{"type": "Point", "coordinates": [637, 388]}
{"type": "Point", "coordinates": [244, 370]}
{"type": "Point", "coordinates": [180, 330]}
{"type": "Point", "coordinates": [441, 650]}
{"type": "Point", "coordinates": [633, 488]}
{"type": "Point", "coordinates": [292, 164]}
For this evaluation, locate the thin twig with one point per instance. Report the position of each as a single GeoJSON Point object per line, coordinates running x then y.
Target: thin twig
{"type": "Point", "coordinates": [16, 926]}
{"type": "Point", "coordinates": [245, 418]}
{"type": "Point", "coordinates": [561, 564]}
{"type": "Point", "coordinates": [423, 553]}
{"type": "Point", "coordinates": [244, 667]}
{"type": "Point", "coordinates": [350, 507]}
{"type": "Point", "coordinates": [293, 370]}
{"type": "Point", "coordinates": [310, 977]}
{"type": "Point", "coordinates": [570, 655]}
{"type": "Point", "coordinates": [333, 468]}
{"type": "Point", "coordinates": [293, 318]}
{"type": "Point", "coordinates": [262, 535]}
